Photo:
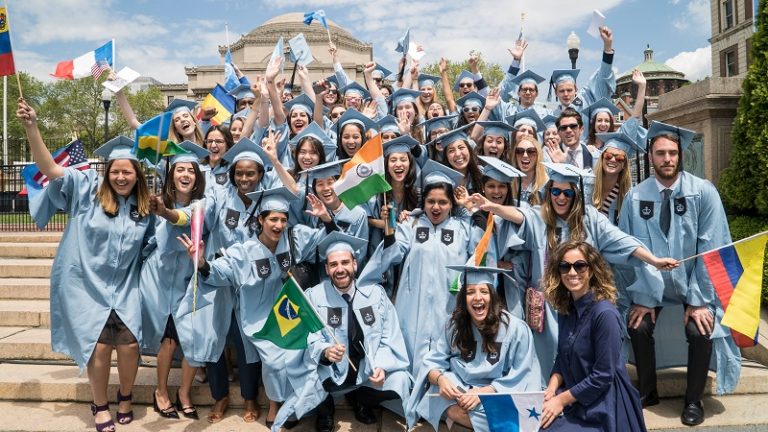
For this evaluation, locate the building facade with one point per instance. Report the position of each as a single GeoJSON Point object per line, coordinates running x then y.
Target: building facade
{"type": "Point", "coordinates": [660, 78]}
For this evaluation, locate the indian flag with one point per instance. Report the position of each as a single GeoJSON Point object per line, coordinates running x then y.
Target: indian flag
{"type": "Point", "coordinates": [363, 176]}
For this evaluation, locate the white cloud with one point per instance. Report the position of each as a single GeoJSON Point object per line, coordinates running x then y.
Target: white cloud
{"type": "Point", "coordinates": [696, 16]}
{"type": "Point", "coordinates": [696, 65]}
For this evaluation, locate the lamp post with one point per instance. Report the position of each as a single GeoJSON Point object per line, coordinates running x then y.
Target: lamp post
{"type": "Point", "coordinates": [573, 42]}
{"type": "Point", "coordinates": [106, 99]}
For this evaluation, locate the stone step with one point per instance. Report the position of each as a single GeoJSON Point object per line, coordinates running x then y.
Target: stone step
{"type": "Point", "coordinates": [30, 237]}
{"type": "Point", "coordinates": [672, 383]}
{"type": "Point", "coordinates": [28, 249]}
{"type": "Point", "coordinates": [25, 288]}
{"type": "Point", "coordinates": [23, 343]}
{"type": "Point", "coordinates": [25, 268]}
{"type": "Point", "coordinates": [25, 313]}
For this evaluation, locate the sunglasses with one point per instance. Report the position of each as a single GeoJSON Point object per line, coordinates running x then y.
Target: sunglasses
{"type": "Point", "coordinates": [565, 127]}
{"type": "Point", "coordinates": [466, 85]}
{"type": "Point", "coordinates": [471, 109]}
{"type": "Point", "coordinates": [580, 266]}
{"type": "Point", "coordinates": [618, 157]}
{"type": "Point", "coordinates": [521, 151]}
{"type": "Point", "coordinates": [569, 193]}
{"type": "Point", "coordinates": [333, 92]}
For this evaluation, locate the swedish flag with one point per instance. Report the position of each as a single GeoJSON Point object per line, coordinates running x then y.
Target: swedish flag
{"type": "Point", "coordinates": [291, 320]}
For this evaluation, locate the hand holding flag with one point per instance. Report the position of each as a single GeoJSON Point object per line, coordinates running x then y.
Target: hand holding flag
{"type": "Point", "coordinates": [318, 15]}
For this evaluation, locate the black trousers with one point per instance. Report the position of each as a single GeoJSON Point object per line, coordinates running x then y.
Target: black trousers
{"type": "Point", "coordinates": [363, 396]}
{"type": "Point", "coordinates": [644, 347]}
{"type": "Point", "coordinates": [249, 374]}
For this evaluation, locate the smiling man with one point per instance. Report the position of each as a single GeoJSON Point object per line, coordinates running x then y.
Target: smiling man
{"type": "Point", "coordinates": [572, 150]}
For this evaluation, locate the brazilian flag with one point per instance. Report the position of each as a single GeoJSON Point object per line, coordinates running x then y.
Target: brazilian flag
{"type": "Point", "coordinates": [292, 319]}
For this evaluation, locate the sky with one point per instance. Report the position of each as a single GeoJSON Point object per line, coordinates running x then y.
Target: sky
{"type": "Point", "coordinates": [158, 38]}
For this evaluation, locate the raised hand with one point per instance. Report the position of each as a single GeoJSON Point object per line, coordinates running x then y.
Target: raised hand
{"type": "Point", "coordinates": [638, 78]}
{"type": "Point", "coordinates": [520, 46]}
{"type": "Point", "coordinates": [273, 68]}
{"type": "Point", "coordinates": [26, 114]}
{"type": "Point", "coordinates": [191, 251]}
{"type": "Point", "coordinates": [270, 144]}
{"type": "Point", "coordinates": [403, 123]}
{"type": "Point", "coordinates": [443, 65]}
{"type": "Point", "coordinates": [555, 152]}
{"type": "Point", "coordinates": [607, 36]}
{"type": "Point", "coordinates": [370, 110]}
{"type": "Point", "coordinates": [493, 99]}
{"type": "Point", "coordinates": [474, 61]}
{"type": "Point", "coordinates": [318, 209]}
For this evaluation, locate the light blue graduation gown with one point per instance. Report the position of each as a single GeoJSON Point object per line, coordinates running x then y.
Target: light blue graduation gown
{"type": "Point", "coordinates": [615, 246]}
{"type": "Point", "coordinates": [512, 368]}
{"type": "Point", "coordinates": [602, 84]}
{"type": "Point", "coordinates": [423, 301]}
{"type": "Point", "coordinates": [96, 268]}
{"type": "Point", "coordinates": [218, 175]}
{"type": "Point", "coordinates": [698, 224]}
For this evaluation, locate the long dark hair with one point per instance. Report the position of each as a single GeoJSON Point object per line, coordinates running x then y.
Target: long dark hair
{"type": "Point", "coordinates": [461, 323]}
{"type": "Point", "coordinates": [445, 187]}
{"type": "Point", "coordinates": [228, 141]}
{"type": "Point", "coordinates": [473, 168]}
{"type": "Point", "coordinates": [508, 200]}
{"type": "Point", "coordinates": [591, 137]}
{"type": "Point", "coordinates": [316, 145]}
{"type": "Point", "coordinates": [411, 195]}
{"type": "Point", "coordinates": [340, 152]}
{"type": "Point", "coordinates": [169, 189]}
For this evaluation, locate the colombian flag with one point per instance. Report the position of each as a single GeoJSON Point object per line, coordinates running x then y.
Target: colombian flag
{"type": "Point", "coordinates": [291, 320]}
{"type": "Point", "coordinates": [7, 67]}
{"type": "Point", "coordinates": [736, 272]}
{"type": "Point", "coordinates": [152, 134]}
{"type": "Point", "coordinates": [224, 104]}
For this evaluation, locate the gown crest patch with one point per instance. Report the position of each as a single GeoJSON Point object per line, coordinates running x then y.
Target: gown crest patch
{"type": "Point", "coordinates": [221, 178]}
{"type": "Point", "coordinates": [469, 356]}
{"type": "Point", "coordinates": [680, 206]}
{"type": "Point", "coordinates": [493, 357]}
{"type": "Point", "coordinates": [334, 317]}
{"type": "Point", "coordinates": [446, 236]}
{"type": "Point", "coordinates": [263, 268]}
{"type": "Point", "coordinates": [422, 234]}
{"type": "Point", "coordinates": [646, 209]}
{"type": "Point", "coordinates": [284, 260]}
{"type": "Point", "coordinates": [368, 316]}
{"type": "Point", "coordinates": [134, 213]}
{"type": "Point", "coordinates": [233, 216]}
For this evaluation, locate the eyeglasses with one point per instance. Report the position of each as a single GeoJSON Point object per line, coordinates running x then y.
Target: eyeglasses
{"type": "Point", "coordinates": [569, 193]}
{"type": "Point", "coordinates": [214, 141]}
{"type": "Point", "coordinates": [565, 127]}
{"type": "Point", "coordinates": [580, 266]}
{"type": "Point", "coordinates": [619, 157]}
{"type": "Point", "coordinates": [466, 85]}
{"type": "Point", "coordinates": [521, 151]}
{"type": "Point", "coordinates": [471, 109]}
{"type": "Point", "coordinates": [528, 90]}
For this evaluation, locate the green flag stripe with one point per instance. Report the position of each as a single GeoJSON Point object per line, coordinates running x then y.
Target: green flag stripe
{"type": "Point", "coordinates": [362, 192]}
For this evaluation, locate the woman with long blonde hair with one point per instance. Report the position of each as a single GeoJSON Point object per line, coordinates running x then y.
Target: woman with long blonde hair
{"type": "Point", "coordinates": [527, 156]}
{"type": "Point", "coordinates": [613, 177]}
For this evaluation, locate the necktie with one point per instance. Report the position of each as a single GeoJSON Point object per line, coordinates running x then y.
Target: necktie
{"type": "Point", "coordinates": [351, 320]}
{"type": "Point", "coordinates": [572, 157]}
{"type": "Point", "coordinates": [666, 212]}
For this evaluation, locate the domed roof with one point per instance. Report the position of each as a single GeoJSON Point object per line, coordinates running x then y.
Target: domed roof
{"type": "Point", "coordinates": [652, 69]}
{"type": "Point", "coordinates": [293, 23]}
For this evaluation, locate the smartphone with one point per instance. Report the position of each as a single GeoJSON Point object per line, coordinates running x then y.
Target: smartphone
{"type": "Point", "coordinates": [461, 389]}
{"type": "Point", "coordinates": [318, 87]}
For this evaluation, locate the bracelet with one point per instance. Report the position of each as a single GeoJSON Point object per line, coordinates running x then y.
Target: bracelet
{"type": "Point", "coordinates": [437, 380]}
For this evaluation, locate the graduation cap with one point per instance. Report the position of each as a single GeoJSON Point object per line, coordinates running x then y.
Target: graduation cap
{"type": "Point", "coordinates": [567, 173]}
{"type": "Point", "coordinates": [602, 105]}
{"type": "Point", "coordinates": [193, 153]}
{"type": "Point", "coordinates": [242, 91]}
{"type": "Point", "coordinates": [433, 173]}
{"type": "Point", "coordinates": [527, 117]}
{"type": "Point", "coordinates": [245, 149]}
{"type": "Point", "coordinates": [497, 128]}
{"type": "Point", "coordinates": [560, 76]}
{"type": "Point", "coordinates": [502, 172]}
{"type": "Point", "coordinates": [464, 74]}
{"type": "Point", "coordinates": [471, 99]}
{"type": "Point", "coordinates": [315, 131]}
{"type": "Point", "coordinates": [388, 123]}
{"type": "Point", "coordinates": [444, 122]}
{"type": "Point", "coordinates": [402, 144]}
{"type": "Point", "coordinates": [452, 135]}
{"type": "Point", "coordinates": [352, 115]}
{"type": "Point", "coordinates": [119, 147]}
{"type": "Point", "coordinates": [620, 141]}
{"type": "Point", "coordinates": [404, 95]}
{"type": "Point", "coordinates": [684, 136]}
{"type": "Point", "coordinates": [339, 241]}
{"type": "Point", "coordinates": [473, 275]}
{"type": "Point", "coordinates": [242, 113]}
{"type": "Point", "coordinates": [426, 80]}
{"type": "Point", "coordinates": [380, 72]}
{"type": "Point", "coordinates": [332, 80]}
{"type": "Point", "coordinates": [180, 105]}
{"type": "Point", "coordinates": [549, 121]}
{"type": "Point", "coordinates": [275, 199]}
{"type": "Point", "coordinates": [324, 171]}
{"type": "Point", "coordinates": [355, 89]}
{"type": "Point", "coordinates": [528, 77]}
{"type": "Point", "coordinates": [301, 102]}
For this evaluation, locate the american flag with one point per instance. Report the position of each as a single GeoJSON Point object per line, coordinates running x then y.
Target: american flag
{"type": "Point", "coordinates": [71, 155]}
{"type": "Point", "coordinates": [98, 68]}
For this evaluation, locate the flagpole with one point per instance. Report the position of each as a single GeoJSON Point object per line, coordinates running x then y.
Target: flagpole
{"type": "Point", "coordinates": [226, 32]}
{"type": "Point", "coordinates": [157, 156]}
{"type": "Point", "coordinates": [725, 246]}
{"type": "Point", "coordinates": [386, 220]}
{"type": "Point", "coordinates": [10, 38]}
{"type": "Point", "coordinates": [317, 316]}
{"type": "Point", "coordinates": [114, 55]}
{"type": "Point", "coordinates": [5, 120]}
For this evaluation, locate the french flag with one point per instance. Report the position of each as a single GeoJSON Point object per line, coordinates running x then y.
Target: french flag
{"type": "Point", "coordinates": [83, 66]}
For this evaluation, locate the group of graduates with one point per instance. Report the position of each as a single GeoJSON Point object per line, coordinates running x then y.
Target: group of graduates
{"type": "Point", "coordinates": [577, 257]}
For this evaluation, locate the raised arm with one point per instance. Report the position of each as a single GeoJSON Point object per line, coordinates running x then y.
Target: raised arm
{"type": "Point", "coordinates": [270, 146]}
{"type": "Point", "coordinates": [40, 153]}
{"type": "Point", "coordinates": [491, 102]}
{"type": "Point", "coordinates": [254, 114]}
{"type": "Point", "coordinates": [263, 106]}
{"type": "Point", "coordinates": [375, 91]}
{"type": "Point", "coordinates": [125, 106]}
{"type": "Point", "coordinates": [411, 77]}
{"type": "Point", "coordinates": [274, 95]}
{"type": "Point", "coordinates": [639, 79]}
{"type": "Point", "coordinates": [447, 89]}
{"type": "Point", "coordinates": [509, 213]}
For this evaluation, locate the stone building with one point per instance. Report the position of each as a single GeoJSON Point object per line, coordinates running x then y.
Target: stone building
{"type": "Point", "coordinates": [660, 79]}
{"type": "Point", "coordinates": [252, 51]}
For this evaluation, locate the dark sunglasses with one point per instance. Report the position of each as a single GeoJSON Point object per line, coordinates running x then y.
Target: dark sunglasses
{"type": "Point", "coordinates": [471, 109]}
{"type": "Point", "coordinates": [569, 193]}
{"type": "Point", "coordinates": [573, 126]}
{"type": "Point", "coordinates": [618, 157]}
{"type": "Point", "coordinates": [467, 85]}
{"type": "Point", "coordinates": [521, 151]}
{"type": "Point", "coordinates": [580, 266]}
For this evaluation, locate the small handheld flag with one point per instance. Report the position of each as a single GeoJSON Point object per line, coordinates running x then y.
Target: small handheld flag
{"type": "Point", "coordinates": [152, 139]}
{"type": "Point", "coordinates": [514, 412]}
{"type": "Point", "coordinates": [230, 77]}
{"type": "Point", "coordinates": [318, 15]}
{"type": "Point", "coordinates": [222, 102]}
{"type": "Point", "coordinates": [71, 155]}
{"type": "Point", "coordinates": [7, 65]}
{"type": "Point", "coordinates": [363, 176]}
{"type": "Point", "coordinates": [291, 320]}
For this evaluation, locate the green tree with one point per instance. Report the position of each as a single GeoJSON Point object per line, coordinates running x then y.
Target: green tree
{"type": "Point", "coordinates": [492, 72]}
{"type": "Point", "coordinates": [744, 184]}
{"type": "Point", "coordinates": [34, 91]}
{"type": "Point", "coordinates": [145, 103]}
{"type": "Point", "coordinates": [74, 107]}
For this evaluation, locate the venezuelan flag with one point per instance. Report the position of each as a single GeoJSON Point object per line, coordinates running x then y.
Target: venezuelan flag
{"type": "Point", "coordinates": [736, 272]}
{"type": "Point", "coordinates": [154, 134]}
{"type": "Point", "coordinates": [224, 104]}
{"type": "Point", "coordinates": [7, 66]}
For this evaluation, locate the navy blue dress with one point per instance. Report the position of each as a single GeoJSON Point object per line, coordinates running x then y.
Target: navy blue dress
{"type": "Point", "coordinates": [590, 359]}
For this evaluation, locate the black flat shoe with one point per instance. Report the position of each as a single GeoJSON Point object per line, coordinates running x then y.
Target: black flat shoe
{"type": "Point", "coordinates": [364, 414]}
{"type": "Point", "coordinates": [693, 414]}
{"type": "Point", "coordinates": [290, 424]}
{"type": "Point", "coordinates": [651, 399]}
{"type": "Point", "coordinates": [187, 411]}
{"type": "Point", "coordinates": [324, 423]}
{"type": "Point", "coordinates": [168, 412]}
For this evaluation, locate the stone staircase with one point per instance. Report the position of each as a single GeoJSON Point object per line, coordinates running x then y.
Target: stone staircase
{"type": "Point", "coordinates": [41, 390]}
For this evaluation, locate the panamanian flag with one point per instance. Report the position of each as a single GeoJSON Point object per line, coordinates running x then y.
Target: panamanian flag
{"type": "Point", "coordinates": [513, 412]}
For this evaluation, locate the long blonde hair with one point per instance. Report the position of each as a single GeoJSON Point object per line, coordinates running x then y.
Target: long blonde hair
{"type": "Point", "coordinates": [108, 197]}
{"type": "Point", "coordinates": [540, 176]}
{"type": "Point", "coordinates": [625, 184]}
{"type": "Point", "coordinates": [575, 219]}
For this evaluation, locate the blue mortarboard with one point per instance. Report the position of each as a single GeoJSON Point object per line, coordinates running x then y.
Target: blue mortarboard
{"type": "Point", "coordinates": [528, 77]}
{"type": "Point", "coordinates": [332, 80]}
{"type": "Point", "coordinates": [564, 75]}
{"type": "Point", "coordinates": [275, 199]}
{"type": "Point", "coordinates": [388, 123]}
{"type": "Point", "coordinates": [471, 99]}
{"type": "Point", "coordinates": [549, 121]}
{"type": "Point", "coordinates": [426, 80]}
{"type": "Point", "coordinates": [473, 275]}
{"type": "Point", "coordinates": [452, 136]}
{"type": "Point", "coordinates": [181, 104]}
{"type": "Point", "coordinates": [402, 144]}
{"type": "Point", "coordinates": [301, 102]}
{"type": "Point", "coordinates": [621, 141]}
{"type": "Point", "coordinates": [497, 128]}
{"type": "Point", "coordinates": [356, 89]}
{"type": "Point", "coordinates": [499, 170]}
{"type": "Point", "coordinates": [565, 173]}
{"type": "Point", "coordinates": [119, 147]}
{"type": "Point", "coordinates": [462, 75]}
{"type": "Point", "coordinates": [433, 172]}
{"type": "Point", "coordinates": [315, 131]}
{"type": "Point", "coordinates": [602, 105]}
{"type": "Point", "coordinates": [354, 116]}
{"type": "Point", "coordinates": [245, 149]}
{"type": "Point", "coordinates": [381, 72]}
{"type": "Point", "coordinates": [241, 91]}
{"type": "Point", "coordinates": [446, 122]}
{"type": "Point", "coordinates": [404, 95]}
{"type": "Point", "coordinates": [685, 136]}
{"type": "Point", "coordinates": [324, 171]}
{"type": "Point", "coordinates": [527, 117]}
{"type": "Point", "coordinates": [338, 241]}
{"type": "Point", "coordinates": [194, 153]}
{"type": "Point", "coordinates": [242, 113]}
